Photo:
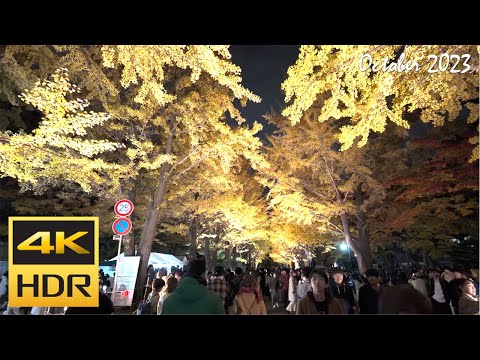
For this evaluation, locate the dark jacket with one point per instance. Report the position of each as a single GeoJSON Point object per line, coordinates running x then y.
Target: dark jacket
{"type": "Point", "coordinates": [455, 292]}
{"type": "Point", "coordinates": [234, 289]}
{"type": "Point", "coordinates": [105, 307]}
{"type": "Point", "coordinates": [368, 299]}
{"type": "Point", "coordinates": [445, 289]}
{"type": "Point", "coordinates": [344, 293]}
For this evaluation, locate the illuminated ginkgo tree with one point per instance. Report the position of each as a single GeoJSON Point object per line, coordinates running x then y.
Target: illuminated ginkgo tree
{"type": "Point", "coordinates": [168, 108]}
{"type": "Point", "coordinates": [369, 96]}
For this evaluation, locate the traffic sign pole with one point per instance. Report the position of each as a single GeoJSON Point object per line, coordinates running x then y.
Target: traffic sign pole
{"type": "Point", "coordinates": [114, 291]}
{"type": "Point", "coordinates": [122, 208]}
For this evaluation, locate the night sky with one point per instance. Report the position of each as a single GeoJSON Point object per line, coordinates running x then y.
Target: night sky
{"type": "Point", "coordinates": [264, 68]}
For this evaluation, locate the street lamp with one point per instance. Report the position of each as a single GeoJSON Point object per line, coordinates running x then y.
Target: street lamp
{"type": "Point", "coordinates": [344, 247]}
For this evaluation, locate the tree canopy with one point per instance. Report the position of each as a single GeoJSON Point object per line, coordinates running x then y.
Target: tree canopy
{"type": "Point", "coordinates": [82, 126]}
{"type": "Point", "coordinates": [368, 97]}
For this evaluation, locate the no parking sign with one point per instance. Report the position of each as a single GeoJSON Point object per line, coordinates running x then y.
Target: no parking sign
{"type": "Point", "coordinates": [122, 226]}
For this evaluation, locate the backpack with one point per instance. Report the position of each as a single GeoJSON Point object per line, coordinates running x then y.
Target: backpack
{"type": "Point", "coordinates": [145, 307]}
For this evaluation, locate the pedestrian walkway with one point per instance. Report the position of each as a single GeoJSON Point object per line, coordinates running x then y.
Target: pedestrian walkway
{"type": "Point", "coordinates": [277, 311]}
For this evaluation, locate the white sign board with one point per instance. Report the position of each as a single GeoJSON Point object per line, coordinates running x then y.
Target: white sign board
{"type": "Point", "coordinates": [127, 269]}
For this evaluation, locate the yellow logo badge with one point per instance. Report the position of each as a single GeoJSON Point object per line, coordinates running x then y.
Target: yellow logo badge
{"type": "Point", "coordinates": [53, 261]}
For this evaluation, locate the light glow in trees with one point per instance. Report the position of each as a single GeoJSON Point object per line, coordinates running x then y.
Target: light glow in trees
{"type": "Point", "coordinates": [368, 99]}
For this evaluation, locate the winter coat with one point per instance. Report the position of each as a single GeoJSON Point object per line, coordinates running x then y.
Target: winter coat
{"type": "Point", "coordinates": [247, 304]}
{"type": "Point", "coordinates": [306, 305]}
{"type": "Point", "coordinates": [273, 283]}
{"type": "Point", "coordinates": [368, 299]}
{"type": "Point", "coordinates": [191, 297]}
{"type": "Point", "coordinates": [292, 289]}
{"type": "Point", "coordinates": [344, 293]}
{"type": "Point", "coordinates": [445, 289]}
{"type": "Point", "coordinates": [420, 285]}
{"type": "Point", "coordinates": [163, 297]}
{"type": "Point", "coordinates": [155, 297]}
{"type": "Point", "coordinates": [468, 304]}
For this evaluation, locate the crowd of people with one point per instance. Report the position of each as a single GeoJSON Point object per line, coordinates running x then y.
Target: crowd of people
{"type": "Point", "coordinates": [296, 291]}
{"type": "Point", "coordinates": [316, 291]}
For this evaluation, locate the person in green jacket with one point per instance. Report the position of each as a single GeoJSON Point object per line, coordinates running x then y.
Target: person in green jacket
{"type": "Point", "coordinates": [192, 295]}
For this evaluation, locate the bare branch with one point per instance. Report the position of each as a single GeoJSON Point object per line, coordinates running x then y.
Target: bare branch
{"type": "Point", "coordinates": [188, 168]}
{"type": "Point", "coordinates": [183, 160]}
{"type": "Point", "coordinates": [333, 181]}
{"type": "Point", "coordinates": [317, 193]}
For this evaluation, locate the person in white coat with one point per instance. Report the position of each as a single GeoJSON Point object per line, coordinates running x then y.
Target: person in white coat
{"type": "Point", "coordinates": [304, 284]}
{"type": "Point", "coordinates": [419, 284]}
{"type": "Point", "coordinates": [292, 292]}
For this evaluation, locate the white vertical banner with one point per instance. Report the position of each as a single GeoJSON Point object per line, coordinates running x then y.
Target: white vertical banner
{"type": "Point", "coordinates": [127, 269]}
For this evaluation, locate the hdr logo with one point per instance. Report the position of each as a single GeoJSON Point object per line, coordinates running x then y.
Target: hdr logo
{"type": "Point", "coordinates": [53, 261]}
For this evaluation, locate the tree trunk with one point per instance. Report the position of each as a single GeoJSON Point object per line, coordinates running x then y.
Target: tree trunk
{"type": "Point", "coordinates": [214, 258]}
{"type": "Point", "coordinates": [214, 251]}
{"type": "Point", "coordinates": [364, 254]}
{"type": "Point", "coordinates": [318, 255]}
{"type": "Point", "coordinates": [152, 218]}
{"type": "Point", "coordinates": [228, 260]}
{"type": "Point", "coordinates": [128, 241]}
{"type": "Point", "coordinates": [192, 234]}
{"type": "Point", "coordinates": [361, 245]}
{"type": "Point", "coordinates": [207, 254]}
{"type": "Point", "coordinates": [234, 257]}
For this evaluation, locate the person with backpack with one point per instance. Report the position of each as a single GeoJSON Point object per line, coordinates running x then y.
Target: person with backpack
{"type": "Point", "coordinates": [149, 307]}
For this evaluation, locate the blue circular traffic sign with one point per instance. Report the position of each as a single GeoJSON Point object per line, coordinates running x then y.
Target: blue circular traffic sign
{"type": "Point", "coordinates": [122, 226]}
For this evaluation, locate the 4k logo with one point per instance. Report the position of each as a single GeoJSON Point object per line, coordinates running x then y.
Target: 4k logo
{"type": "Point", "coordinates": [53, 261]}
{"type": "Point", "coordinates": [45, 247]}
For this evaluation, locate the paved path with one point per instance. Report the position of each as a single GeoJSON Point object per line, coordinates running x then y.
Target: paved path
{"type": "Point", "coordinates": [277, 311]}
